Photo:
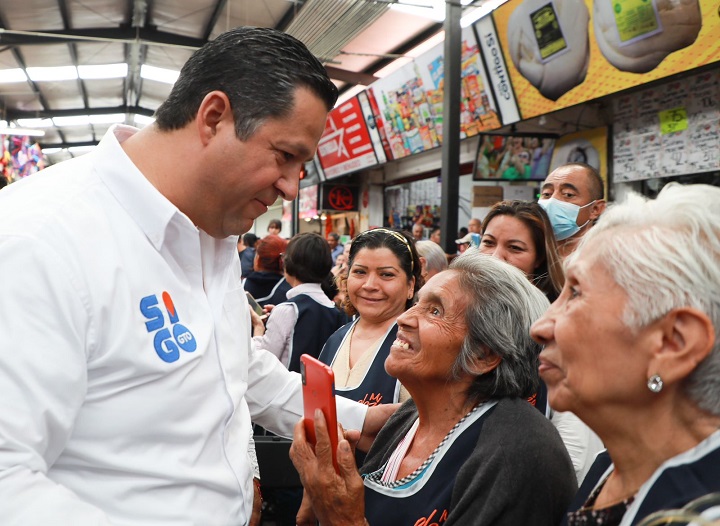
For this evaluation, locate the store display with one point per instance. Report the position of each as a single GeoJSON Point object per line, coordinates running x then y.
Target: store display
{"type": "Point", "coordinates": [668, 130]}
{"type": "Point", "coordinates": [517, 157]}
{"type": "Point", "coordinates": [637, 35]}
{"type": "Point", "coordinates": [548, 44]}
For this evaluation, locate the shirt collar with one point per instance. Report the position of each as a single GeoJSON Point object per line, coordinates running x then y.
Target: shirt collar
{"type": "Point", "coordinates": [151, 210]}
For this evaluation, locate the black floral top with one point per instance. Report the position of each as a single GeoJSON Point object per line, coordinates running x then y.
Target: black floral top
{"type": "Point", "coordinates": [610, 516]}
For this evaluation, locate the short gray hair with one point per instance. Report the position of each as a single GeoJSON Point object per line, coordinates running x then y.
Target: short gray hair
{"type": "Point", "coordinates": [435, 258]}
{"type": "Point", "coordinates": [665, 253]}
{"type": "Point", "coordinates": [502, 306]}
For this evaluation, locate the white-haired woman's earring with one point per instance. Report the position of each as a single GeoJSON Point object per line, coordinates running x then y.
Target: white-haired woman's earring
{"type": "Point", "coordinates": [655, 383]}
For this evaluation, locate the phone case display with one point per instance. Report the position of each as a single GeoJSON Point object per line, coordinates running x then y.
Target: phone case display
{"type": "Point", "coordinates": [557, 56]}
{"type": "Point", "coordinates": [416, 202]}
{"type": "Point", "coordinates": [669, 130]}
{"type": "Point", "coordinates": [410, 101]}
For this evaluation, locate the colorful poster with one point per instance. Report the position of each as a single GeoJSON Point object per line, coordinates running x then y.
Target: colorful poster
{"type": "Point", "coordinates": [308, 202]}
{"type": "Point", "coordinates": [345, 146]}
{"type": "Point", "coordinates": [587, 146]}
{"type": "Point", "coordinates": [560, 53]}
{"type": "Point", "coordinates": [410, 101]}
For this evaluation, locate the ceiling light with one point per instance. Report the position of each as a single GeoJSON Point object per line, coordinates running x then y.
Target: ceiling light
{"type": "Point", "coordinates": [80, 149]}
{"type": "Point", "coordinates": [143, 120]}
{"type": "Point", "coordinates": [21, 131]}
{"type": "Point", "coordinates": [52, 73]}
{"type": "Point", "coordinates": [103, 71]}
{"type": "Point", "coordinates": [168, 76]}
{"type": "Point", "coordinates": [50, 151]}
{"type": "Point", "coordinates": [74, 120]}
{"type": "Point", "coordinates": [485, 9]}
{"type": "Point", "coordinates": [107, 118]}
{"type": "Point", "coordinates": [12, 75]}
{"type": "Point", "coordinates": [35, 123]}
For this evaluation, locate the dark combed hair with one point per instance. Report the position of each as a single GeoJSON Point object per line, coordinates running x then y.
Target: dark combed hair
{"type": "Point", "coordinates": [548, 276]}
{"type": "Point", "coordinates": [307, 258]}
{"type": "Point", "coordinates": [405, 252]}
{"type": "Point", "coordinates": [249, 239]}
{"type": "Point", "coordinates": [257, 68]}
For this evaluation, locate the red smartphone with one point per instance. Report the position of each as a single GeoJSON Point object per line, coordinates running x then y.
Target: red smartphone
{"type": "Point", "coordinates": [318, 388]}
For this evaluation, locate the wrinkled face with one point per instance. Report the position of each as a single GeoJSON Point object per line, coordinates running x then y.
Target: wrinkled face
{"type": "Point", "coordinates": [248, 176]}
{"type": "Point", "coordinates": [509, 239]}
{"type": "Point", "coordinates": [377, 286]}
{"type": "Point", "coordinates": [571, 184]}
{"type": "Point", "coordinates": [430, 333]}
{"type": "Point", "coordinates": [591, 361]}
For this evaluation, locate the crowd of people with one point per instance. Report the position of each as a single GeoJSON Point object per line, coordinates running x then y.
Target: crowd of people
{"type": "Point", "coordinates": [562, 367]}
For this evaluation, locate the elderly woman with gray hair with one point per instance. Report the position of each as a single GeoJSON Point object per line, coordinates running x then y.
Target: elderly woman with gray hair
{"type": "Point", "coordinates": [632, 347]}
{"type": "Point", "coordinates": [467, 448]}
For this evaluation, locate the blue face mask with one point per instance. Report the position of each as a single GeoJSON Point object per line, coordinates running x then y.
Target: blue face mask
{"type": "Point", "coordinates": [563, 217]}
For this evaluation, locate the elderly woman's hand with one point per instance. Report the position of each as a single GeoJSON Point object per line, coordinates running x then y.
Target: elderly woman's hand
{"type": "Point", "coordinates": [337, 498]}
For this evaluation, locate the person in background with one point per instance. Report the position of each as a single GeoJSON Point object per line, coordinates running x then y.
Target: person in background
{"type": "Point", "coordinates": [418, 232]}
{"type": "Point", "coordinates": [464, 242]}
{"type": "Point", "coordinates": [336, 248]}
{"type": "Point", "coordinates": [432, 258]}
{"type": "Point", "coordinates": [467, 449]}
{"type": "Point", "coordinates": [632, 346]}
{"type": "Point", "coordinates": [435, 236]}
{"type": "Point", "coordinates": [520, 233]}
{"type": "Point", "coordinates": [384, 273]}
{"type": "Point", "coordinates": [572, 196]}
{"type": "Point", "coordinates": [247, 254]}
{"type": "Point", "coordinates": [267, 283]}
{"type": "Point", "coordinates": [274, 227]}
{"type": "Point", "coordinates": [303, 323]}
{"type": "Point", "coordinates": [126, 397]}
{"type": "Point", "coordinates": [474, 226]}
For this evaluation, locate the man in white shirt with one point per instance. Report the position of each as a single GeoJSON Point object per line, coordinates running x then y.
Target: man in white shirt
{"type": "Point", "coordinates": [127, 377]}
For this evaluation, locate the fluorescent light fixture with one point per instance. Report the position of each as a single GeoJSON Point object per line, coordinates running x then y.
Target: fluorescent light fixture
{"type": "Point", "coordinates": [431, 9]}
{"type": "Point", "coordinates": [52, 73]}
{"type": "Point", "coordinates": [143, 120]}
{"type": "Point", "coordinates": [81, 149]}
{"type": "Point", "coordinates": [107, 118]}
{"type": "Point", "coordinates": [50, 151]}
{"type": "Point", "coordinates": [347, 95]}
{"type": "Point", "coordinates": [21, 131]}
{"type": "Point", "coordinates": [12, 75]}
{"type": "Point", "coordinates": [74, 120]}
{"type": "Point", "coordinates": [35, 123]}
{"type": "Point", "coordinates": [168, 76]}
{"type": "Point", "coordinates": [485, 9]}
{"type": "Point", "coordinates": [103, 71]}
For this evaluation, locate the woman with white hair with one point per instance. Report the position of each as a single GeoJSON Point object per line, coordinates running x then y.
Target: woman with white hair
{"type": "Point", "coordinates": [467, 448]}
{"type": "Point", "coordinates": [632, 347]}
{"type": "Point", "coordinates": [432, 258]}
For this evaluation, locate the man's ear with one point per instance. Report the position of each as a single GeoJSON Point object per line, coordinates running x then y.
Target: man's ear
{"type": "Point", "coordinates": [688, 337]}
{"type": "Point", "coordinates": [214, 109]}
{"type": "Point", "coordinates": [597, 208]}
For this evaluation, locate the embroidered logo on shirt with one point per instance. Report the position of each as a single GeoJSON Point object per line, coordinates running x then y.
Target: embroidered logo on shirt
{"type": "Point", "coordinates": [425, 521]}
{"type": "Point", "coordinates": [167, 341]}
{"type": "Point", "coordinates": [372, 399]}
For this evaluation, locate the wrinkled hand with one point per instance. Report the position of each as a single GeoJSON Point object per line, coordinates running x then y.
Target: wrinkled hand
{"type": "Point", "coordinates": [374, 421]}
{"type": "Point", "coordinates": [337, 498]}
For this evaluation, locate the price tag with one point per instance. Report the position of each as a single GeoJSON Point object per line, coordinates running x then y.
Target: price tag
{"type": "Point", "coordinates": [673, 120]}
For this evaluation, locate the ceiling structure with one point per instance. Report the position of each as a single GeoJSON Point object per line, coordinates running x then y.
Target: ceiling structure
{"type": "Point", "coordinates": [148, 41]}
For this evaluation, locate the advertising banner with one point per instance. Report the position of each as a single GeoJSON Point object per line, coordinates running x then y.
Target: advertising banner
{"type": "Point", "coordinates": [308, 202]}
{"type": "Point", "coordinates": [563, 52]}
{"type": "Point", "coordinates": [345, 146]}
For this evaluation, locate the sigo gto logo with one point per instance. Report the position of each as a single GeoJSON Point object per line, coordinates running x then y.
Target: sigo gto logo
{"type": "Point", "coordinates": [167, 344]}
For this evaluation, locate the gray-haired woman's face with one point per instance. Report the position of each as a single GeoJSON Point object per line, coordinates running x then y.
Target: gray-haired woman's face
{"type": "Point", "coordinates": [430, 333]}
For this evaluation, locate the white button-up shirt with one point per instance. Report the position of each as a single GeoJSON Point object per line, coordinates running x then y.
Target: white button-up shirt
{"type": "Point", "coordinates": [127, 377]}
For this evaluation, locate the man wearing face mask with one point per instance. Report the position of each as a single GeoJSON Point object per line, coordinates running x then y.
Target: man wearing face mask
{"type": "Point", "coordinates": [573, 197]}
